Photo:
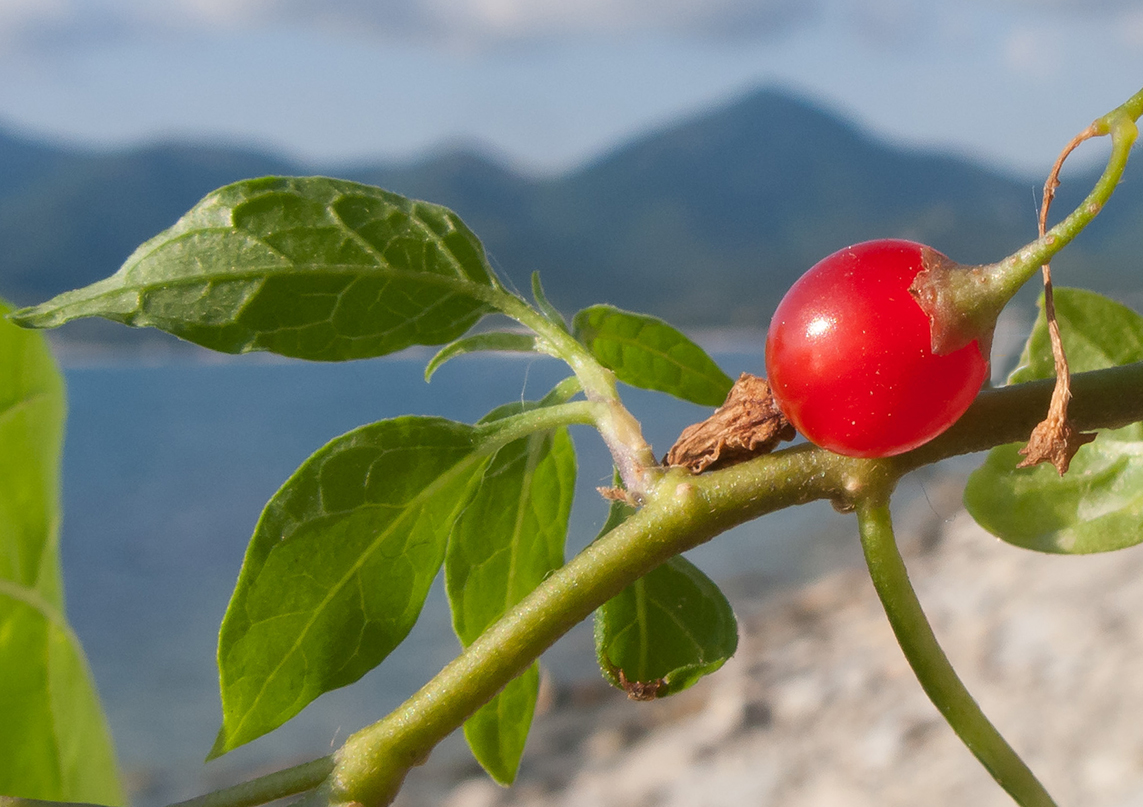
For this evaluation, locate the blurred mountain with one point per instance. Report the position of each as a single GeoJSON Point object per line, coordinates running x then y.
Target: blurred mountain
{"type": "Point", "coordinates": [704, 222]}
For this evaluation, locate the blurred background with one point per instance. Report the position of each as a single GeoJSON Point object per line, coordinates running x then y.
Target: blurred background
{"type": "Point", "coordinates": [686, 158]}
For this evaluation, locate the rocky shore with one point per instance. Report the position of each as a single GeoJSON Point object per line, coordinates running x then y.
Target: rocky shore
{"type": "Point", "coordinates": [819, 709]}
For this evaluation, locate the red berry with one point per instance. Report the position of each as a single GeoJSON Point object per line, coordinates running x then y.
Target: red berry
{"type": "Point", "coordinates": [850, 361]}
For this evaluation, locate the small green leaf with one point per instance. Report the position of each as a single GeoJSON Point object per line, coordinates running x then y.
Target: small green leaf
{"type": "Point", "coordinates": [509, 538]}
{"type": "Point", "coordinates": [497, 731]}
{"type": "Point", "coordinates": [339, 566]}
{"type": "Point", "coordinates": [669, 628]}
{"type": "Point", "coordinates": [520, 342]}
{"type": "Point", "coordinates": [550, 312]}
{"type": "Point", "coordinates": [54, 743]}
{"type": "Point", "coordinates": [308, 267]}
{"type": "Point", "coordinates": [646, 352]}
{"type": "Point", "coordinates": [1098, 505]}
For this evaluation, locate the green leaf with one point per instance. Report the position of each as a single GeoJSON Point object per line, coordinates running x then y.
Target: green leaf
{"type": "Point", "coordinates": [519, 342]}
{"type": "Point", "coordinates": [308, 267]}
{"type": "Point", "coordinates": [496, 733]}
{"type": "Point", "coordinates": [54, 743]}
{"type": "Point", "coordinates": [550, 312]}
{"type": "Point", "coordinates": [509, 538]}
{"type": "Point", "coordinates": [668, 629]}
{"type": "Point", "coordinates": [339, 566]}
{"type": "Point", "coordinates": [1097, 333]}
{"type": "Point", "coordinates": [1098, 505]}
{"type": "Point", "coordinates": [646, 352]}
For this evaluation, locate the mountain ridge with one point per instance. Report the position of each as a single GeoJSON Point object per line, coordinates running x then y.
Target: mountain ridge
{"type": "Point", "coordinates": [704, 221]}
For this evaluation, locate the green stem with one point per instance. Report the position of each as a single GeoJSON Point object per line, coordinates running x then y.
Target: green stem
{"type": "Point", "coordinates": [513, 427]}
{"type": "Point", "coordinates": [1013, 271]}
{"type": "Point", "coordinates": [687, 511]}
{"type": "Point", "coordinates": [288, 782]}
{"type": "Point", "coordinates": [264, 789]}
{"type": "Point", "coordinates": [964, 302]}
{"type": "Point", "coordinates": [620, 430]}
{"type": "Point", "coordinates": [932, 667]}
{"type": "Point", "coordinates": [373, 763]}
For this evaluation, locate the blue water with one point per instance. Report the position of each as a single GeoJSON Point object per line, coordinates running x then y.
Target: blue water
{"type": "Point", "coordinates": [166, 469]}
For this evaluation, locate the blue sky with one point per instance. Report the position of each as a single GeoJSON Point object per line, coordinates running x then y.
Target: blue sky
{"type": "Point", "coordinates": [547, 84]}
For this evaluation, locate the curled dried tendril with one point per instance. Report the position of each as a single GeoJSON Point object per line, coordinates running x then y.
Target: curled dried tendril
{"type": "Point", "coordinates": [1055, 439]}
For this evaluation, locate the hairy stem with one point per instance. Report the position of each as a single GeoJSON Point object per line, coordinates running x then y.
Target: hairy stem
{"type": "Point", "coordinates": [620, 430]}
{"type": "Point", "coordinates": [932, 667]}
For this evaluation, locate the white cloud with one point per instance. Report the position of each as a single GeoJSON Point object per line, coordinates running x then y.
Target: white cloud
{"type": "Point", "coordinates": [477, 22]}
{"type": "Point", "coordinates": [1085, 7]}
{"type": "Point", "coordinates": [1030, 51]}
{"type": "Point", "coordinates": [41, 25]}
{"type": "Point", "coordinates": [19, 16]}
{"type": "Point", "coordinates": [32, 24]}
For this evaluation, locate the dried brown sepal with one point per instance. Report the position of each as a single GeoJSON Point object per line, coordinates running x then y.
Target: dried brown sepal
{"type": "Point", "coordinates": [938, 289]}
{"type": "Point", "coordinates": [748, 425]}
{"type": "Point", "coordinates": [640, 690]}
{"type": "Point", "coordinates": [1055, 442]}
{"type": "Point", "coordinates": [619, 495]}
{"type": "Point", "coordinates": [1055, 439]}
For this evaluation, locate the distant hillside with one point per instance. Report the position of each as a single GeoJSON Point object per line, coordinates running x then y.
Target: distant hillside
{"type": "Point", "coordinates": [703, 222]}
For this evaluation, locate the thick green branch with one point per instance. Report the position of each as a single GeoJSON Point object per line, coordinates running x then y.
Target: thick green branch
{"type": "Point", "coordinates": [932, 667]}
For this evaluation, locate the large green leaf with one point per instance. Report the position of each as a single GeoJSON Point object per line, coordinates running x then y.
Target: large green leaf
{"type": "Point", "coordinates": [309, 267]}
{"type": "Point", "coordinates": [1098, 505]}
{"type": "Point", "coordinates": [339, 566]}
{"type": "Point", "coordinates": [509, 538]}
{"type": "Point", "coordinates": [646, 352]}
{"type": "Point", "coordinates": [54, 743]}
{"type": "Point", "coordinates": [665, 631]}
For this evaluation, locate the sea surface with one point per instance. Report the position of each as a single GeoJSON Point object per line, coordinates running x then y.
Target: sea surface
{"type": "Point", "coordinates": [167, 466]}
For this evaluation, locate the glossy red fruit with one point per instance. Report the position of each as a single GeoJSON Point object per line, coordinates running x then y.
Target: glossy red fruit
{"type": "Point", "coordinates": [849, 355]}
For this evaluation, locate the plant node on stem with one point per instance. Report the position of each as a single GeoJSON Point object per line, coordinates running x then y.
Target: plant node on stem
{"type": "Point", "coordinates": [616, 425]}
